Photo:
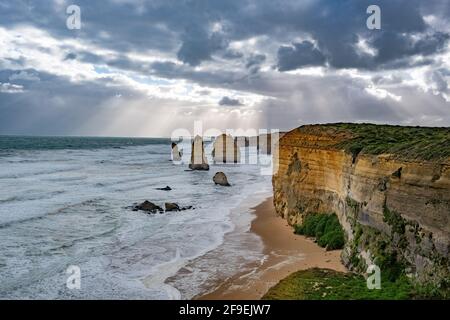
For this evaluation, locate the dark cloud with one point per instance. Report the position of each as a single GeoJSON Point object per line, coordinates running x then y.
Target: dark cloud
{"type": "Point", "coordinates": [221, 78]}
{"type": "Point", "coordinates": [227, 101]}
{"type": "Point", "coordinates": [254, 62]}
{"type": "Point", "coordinates": [54, 105]}
{"type": "Point", "coordinates": [232, 54]}
{"type": "Point", "coordinates": [198, 46]}
{"type": "Point", "coordinates": [70, 56]}
{"type": "Point", "coordinates": [199, 34]}
{"type": "Point", "coordinates": [343, 25]}
{"type": "Point", "coordinates": [184, 27]}
{"type": "Point", "coordinates": [392, 46]}
{"type": "Point", "coordinates": [299, 55]}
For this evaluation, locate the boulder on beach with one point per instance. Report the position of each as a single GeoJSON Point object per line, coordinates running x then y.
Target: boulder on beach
{"type": "Point", "coordinates": [148, 207]}
{"type": "Point", "coordinates": [176, 154]}
{"type": "Point", "coordinates": [221, 179]}
{"type": "Point", "coordinates": [198, 157]}
{"type": "Point", "coordinates": [226, 150]}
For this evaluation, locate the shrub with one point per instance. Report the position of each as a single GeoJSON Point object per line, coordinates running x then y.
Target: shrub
{"type": "Point", "coordinates": [332, 240]}
{"type": "Point", "coordinates": [325, 228]}
{"type": "Point", "coordinates": [324, 284]}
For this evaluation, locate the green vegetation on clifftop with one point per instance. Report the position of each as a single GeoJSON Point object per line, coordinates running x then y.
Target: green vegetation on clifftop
{"type": "Point", "coordinates": [421, 143]}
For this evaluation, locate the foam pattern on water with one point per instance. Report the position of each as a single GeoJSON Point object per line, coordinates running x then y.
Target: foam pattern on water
{"type": "Point", "coordinates": [69, 207]}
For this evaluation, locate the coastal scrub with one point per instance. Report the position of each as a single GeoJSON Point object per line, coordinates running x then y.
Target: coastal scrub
{"type": "Point", "coordinates": [325, 228]}
{"type": "Point", "coordinates": [325, 284]}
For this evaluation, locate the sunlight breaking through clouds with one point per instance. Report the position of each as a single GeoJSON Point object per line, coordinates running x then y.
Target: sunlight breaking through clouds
{"type": "Point", "coordinates": [171, 62]}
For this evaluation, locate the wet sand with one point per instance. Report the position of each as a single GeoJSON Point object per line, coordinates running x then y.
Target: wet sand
{"type": "Point", "coordinates": [285, 253]}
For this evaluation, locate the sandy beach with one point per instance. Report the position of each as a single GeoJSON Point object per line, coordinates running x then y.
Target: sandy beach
{"type": "Point", "coordinates": [285, 253]}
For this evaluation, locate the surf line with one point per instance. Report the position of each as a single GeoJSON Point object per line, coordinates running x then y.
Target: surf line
{"type": "Point", "coordinates": [191, 310]}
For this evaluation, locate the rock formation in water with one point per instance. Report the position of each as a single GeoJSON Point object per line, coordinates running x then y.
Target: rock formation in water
{"type": "Point", "coordinates": [198, 157]}
{"type": "Point", "coordinates": [166, 188]}
{"type": "Point", "coordinates": [226, 150]}
{"type": "Point", "coordinates": [221, 179]}
{"type": "Point", "coordinates": [170, 206]}
{"type": "Point", "coordinates": [176, 153]}
{"type": "Point", "coordinates": [389, 186]}
{"type": "Point", "coordinates": [265, 143]}
{"type": "Point", "coordinates": [149, 207]}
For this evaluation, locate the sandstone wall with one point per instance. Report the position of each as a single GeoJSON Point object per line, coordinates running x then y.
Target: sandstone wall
{"type": "Point", "coordinates": [387, 206]}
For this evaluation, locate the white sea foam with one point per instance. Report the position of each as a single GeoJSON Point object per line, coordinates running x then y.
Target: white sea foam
{"type": "Point", "coordinates": [61, 208]}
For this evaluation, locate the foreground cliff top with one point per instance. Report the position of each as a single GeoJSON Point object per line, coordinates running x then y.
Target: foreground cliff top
{"type": "Point", "coordinates": [414, 143]}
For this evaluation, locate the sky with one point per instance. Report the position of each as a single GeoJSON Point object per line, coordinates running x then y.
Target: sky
{"type": "Point", "coordinates": [148, 68]}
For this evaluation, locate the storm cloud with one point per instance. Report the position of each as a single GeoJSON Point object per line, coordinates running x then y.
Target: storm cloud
{"type": "Point", "coordinates": [284, 63]}
{"type": "Point", "coordinates": [299, 55]}
{"type": "Point", "coordinates": [227, 101]}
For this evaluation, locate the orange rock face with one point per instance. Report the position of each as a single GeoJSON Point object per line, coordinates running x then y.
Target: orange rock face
{"type": "Point", "coordinates": [405, 203]}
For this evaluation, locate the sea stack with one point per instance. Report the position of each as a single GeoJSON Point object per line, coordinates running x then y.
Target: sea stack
{"type": "Point", "coordinates": [198, 157]}
{"type": "Point", "coordinates": [226, 150]}
{"type": "Point", "coordinates": [176, 154]}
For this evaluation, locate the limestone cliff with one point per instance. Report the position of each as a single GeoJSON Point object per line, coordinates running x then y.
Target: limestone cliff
{"type": "Point", "coordinates": [392, 197]}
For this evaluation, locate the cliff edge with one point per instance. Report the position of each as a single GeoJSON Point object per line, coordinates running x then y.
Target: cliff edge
{"type": "Point", "coordinates": [388, 185]}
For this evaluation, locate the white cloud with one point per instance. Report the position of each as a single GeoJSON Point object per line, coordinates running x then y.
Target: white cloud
{"type": "Point", "coordinates": [10, 88]}
{"type": "Point", "coordinates": [382, 93]}
{"type": "Point", "coordinates": [364, 48]}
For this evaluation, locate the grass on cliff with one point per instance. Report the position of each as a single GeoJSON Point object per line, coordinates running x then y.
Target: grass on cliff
{"type": "Point", "coordinates": [421, 143]}
{"type": "Point", "coordinates": [325, 284]}
{"type": "Point", "coordinates": [325, 228]}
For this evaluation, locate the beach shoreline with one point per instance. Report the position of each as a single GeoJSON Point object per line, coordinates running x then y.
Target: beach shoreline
{"type": "Point", "coordinates": [284, 252]}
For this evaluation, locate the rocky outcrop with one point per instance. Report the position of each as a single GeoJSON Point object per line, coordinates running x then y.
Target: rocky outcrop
{"type": "Point", "coordinates": [226, 150]}
{"type": "Point", "coordinates": [198, 157]}
{"type": "Point", "coordinates": [172, 206]}
{"type": "Point", "coordinates": [148, 206]}
{"type": "Point", "coordinates": [395, 209]}
{"type": "Point", "coordinates": [221, 179]}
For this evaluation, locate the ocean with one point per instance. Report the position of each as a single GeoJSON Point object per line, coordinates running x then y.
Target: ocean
{"type": "Point", "coordinates": [65, 201]}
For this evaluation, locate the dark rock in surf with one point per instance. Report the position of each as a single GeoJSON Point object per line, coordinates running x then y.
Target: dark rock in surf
{"type": "Point", "coordinates": [149, 207]}
{"type": "Point", "coordinates": [172, 207]}
{"type": "Point", "coordinates": [167, 188]}
{"type": "Point", "coordinates": [221, 179]}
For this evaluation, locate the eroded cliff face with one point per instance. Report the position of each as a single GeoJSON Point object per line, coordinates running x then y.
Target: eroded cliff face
{"type": "Point", "coordinates": [393, 211]}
